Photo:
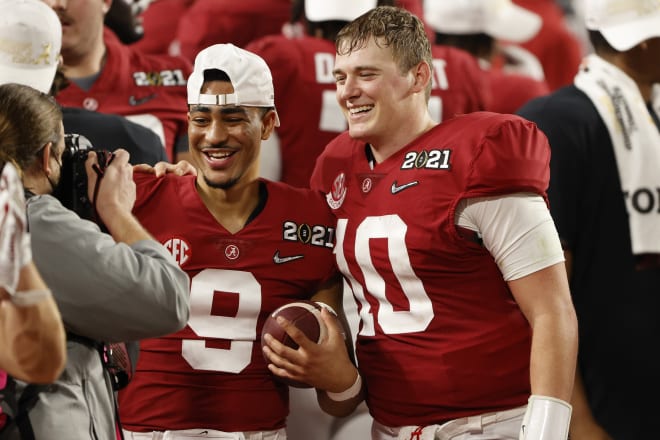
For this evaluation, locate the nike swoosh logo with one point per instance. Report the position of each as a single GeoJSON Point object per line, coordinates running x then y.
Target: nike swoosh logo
{"type": "Point", "coordinates": [398, 188]}
{"type": "Point", "coordinates": [132, 100]}
{"type": "Point", "coordinates": [281, 260]}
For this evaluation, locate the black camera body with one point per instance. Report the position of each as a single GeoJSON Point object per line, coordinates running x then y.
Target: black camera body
{"type": "Point", "coordinates": [72, 188]}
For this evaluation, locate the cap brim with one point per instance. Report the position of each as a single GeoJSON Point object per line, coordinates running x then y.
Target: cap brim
{"type": "Point", "coordinates": [514, 24]}
{"type": "Point", "coordinates": [35, 78]}
{"type": "Point", "coordinates": [625, 36]}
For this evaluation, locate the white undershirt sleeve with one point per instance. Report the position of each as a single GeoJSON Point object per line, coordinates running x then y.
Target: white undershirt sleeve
{"type": "Point", "coordinates": [517, 230]}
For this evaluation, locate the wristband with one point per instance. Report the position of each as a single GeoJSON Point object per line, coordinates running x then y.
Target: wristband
{"type": "Point", "coordinates": [546, 418]}
{"type": "Point", "coordinates": [349, 393]}
{"type": "Point", "coordinates": [28, 298]}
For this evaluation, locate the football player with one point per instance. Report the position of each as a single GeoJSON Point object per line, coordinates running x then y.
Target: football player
{"type": "Point", "coordinates": [302, 72]}
{"type": "Point", "coordinates": [110, 77]}
{"type": "Point", "coordinates": [249, 246]}
{"type": "Point", "coordinates": [444, 235]}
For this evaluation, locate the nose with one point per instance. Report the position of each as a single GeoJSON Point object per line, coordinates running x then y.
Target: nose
{"type": "Point", "coordinates": [348, 89]}
{"type": "Point", "coordinates": [217, 133]}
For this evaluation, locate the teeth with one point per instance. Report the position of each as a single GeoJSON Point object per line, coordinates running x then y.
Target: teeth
{"type": "Point", "coordinates": [363, 108]}
{"type": "Point", "coordinates": [218, 155]}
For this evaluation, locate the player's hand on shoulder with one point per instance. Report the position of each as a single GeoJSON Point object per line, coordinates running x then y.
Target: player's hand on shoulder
{"type": "Point", "coordinates": [181, 168]}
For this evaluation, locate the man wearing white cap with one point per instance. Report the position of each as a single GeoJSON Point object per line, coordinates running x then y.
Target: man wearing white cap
{"type": "Point", "coordinates": [245, 243]}
{"type": "Point", "coordinates": [604, 133]}
{"type": "Point", "coordinates": [476, 26]}
{"type": "Point", "coordinates": [30, 42]}
{"type": "Point", "coordinates": [302, 73]}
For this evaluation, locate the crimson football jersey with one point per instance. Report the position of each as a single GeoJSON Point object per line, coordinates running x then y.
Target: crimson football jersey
{"type": "Point", "coordinates": [147, 89]}
{"type": "Point", "coordinates": [212, 374]}
{"type": "Point", "coordinates": [510, 91]}
{"type": "Point", "coordinates": [210, 22]}
{"type": "Point", "coordinates": [440, 334]}
{"type": "Point", "coordinates": [303, 79]}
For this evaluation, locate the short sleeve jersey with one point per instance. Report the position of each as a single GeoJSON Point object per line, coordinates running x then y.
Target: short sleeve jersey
{"type": "Point", "coordinates": [212, 374]}
{"type": "Point", "coordinates": [147, 89]}
{"type": "Point", "coordinates": [440, 335]}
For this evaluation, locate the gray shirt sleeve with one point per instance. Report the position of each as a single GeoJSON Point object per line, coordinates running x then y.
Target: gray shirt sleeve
{"type": "Point", "coordinates": [105, 290]}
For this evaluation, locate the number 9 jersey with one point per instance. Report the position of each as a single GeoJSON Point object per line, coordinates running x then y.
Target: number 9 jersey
{"type": "Point", "coordinates": [212, 374]}
{"type": "Point", "coordinates": [440, 335]}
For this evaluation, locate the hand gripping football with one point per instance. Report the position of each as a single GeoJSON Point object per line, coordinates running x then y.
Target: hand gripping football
{"type": "Point", "coordinates": [306, 316]}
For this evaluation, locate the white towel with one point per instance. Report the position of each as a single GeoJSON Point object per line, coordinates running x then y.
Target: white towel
{"type": "Point", "coordinates": [636, 142]}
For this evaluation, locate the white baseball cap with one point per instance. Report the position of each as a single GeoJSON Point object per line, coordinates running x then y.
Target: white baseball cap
{"type": "Point", "coordinates": [501, 19]}
{"type": "Point", "coordinates": [30, 42]}
{"type": "Point", "coordinates": [624, 23]}
{"type": "Point", "coordinates": [344, 10]}
{"type": "Point", "coordinates": [248, 72]}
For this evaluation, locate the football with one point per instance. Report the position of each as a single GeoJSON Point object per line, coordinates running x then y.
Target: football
{"type": "Point", "coordinates": [306, 316]}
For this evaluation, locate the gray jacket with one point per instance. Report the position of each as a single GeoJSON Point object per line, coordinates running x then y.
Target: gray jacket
{"type": "Point", "coordinates": [106, 291]}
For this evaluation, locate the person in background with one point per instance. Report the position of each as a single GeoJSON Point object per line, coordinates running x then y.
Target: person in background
{"type": "Point", "coordinates": [444, 235]}
{"type": "Point", "coordinates": [249, 246]}
{"type": "Point", "coordinates": [208, 22]}
{"type": "Point", "coordinates": [604, 134]}
{"type": "Point", "coordinates": [302, 72]}
{"type": "Point", "coordinates": [557, 46]}
{"type": "Point", "coordinates": [33, 25]}
{"type": "Point", "coordinates": [109, 287]}
{"type": "Point", "coordinates": [478, 26]}
{"type": "Point", "coordinates": [108, 76]}
{"type": "Point", "coordinates": [32, 341]}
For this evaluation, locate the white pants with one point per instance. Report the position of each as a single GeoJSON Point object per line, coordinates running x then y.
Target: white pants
{"type": "Point", "coordinates": [194, 434]}
{"type": "Point", "coordinates": [501, 425]}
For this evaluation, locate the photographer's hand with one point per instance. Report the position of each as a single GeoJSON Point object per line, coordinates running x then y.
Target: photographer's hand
{"type": "Point", "coordinates": [115, 197]}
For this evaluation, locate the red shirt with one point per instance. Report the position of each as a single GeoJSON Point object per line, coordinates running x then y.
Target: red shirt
{"type": "Point", "coordinates": [212, 374]}
{"type": "Point", "coordinates": [440, 336]}
{"type": "Point", "coordinates": [210, 22]}
{"type": "Point", "coordinates": [145, 88]}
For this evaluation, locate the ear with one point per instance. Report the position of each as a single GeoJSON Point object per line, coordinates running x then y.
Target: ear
{"type": "Point", "coordinates": [106, 6]}
{"type": "Point", "coordinates": [45, 158]}
{"type": "Point", "coordinates": [267, 124]}
{"type": "Point", "coordinates": [421, 76]}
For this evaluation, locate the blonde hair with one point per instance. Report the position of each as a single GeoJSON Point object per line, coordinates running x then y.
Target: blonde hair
{"type": "Point", "coordinates": [391, 27]}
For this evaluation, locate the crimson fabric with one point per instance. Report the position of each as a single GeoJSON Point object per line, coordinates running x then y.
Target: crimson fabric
{"type": "Point", "coordinates": [212, 374]}
{"type": "Point", "coordinates": [149, 89]}
{"type": "Point", "coordinates": [441, 336]}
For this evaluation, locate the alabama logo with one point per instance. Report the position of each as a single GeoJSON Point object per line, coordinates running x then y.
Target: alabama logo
{"type": "Point", "coordinates": [335, 198]}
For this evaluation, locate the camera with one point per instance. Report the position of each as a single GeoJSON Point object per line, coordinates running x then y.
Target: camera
{"type": "Point", "coordinates": [72, 188]}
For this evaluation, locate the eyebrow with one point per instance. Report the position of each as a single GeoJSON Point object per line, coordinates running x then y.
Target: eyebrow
{"type": "Point", "coordinates": [356, 69]}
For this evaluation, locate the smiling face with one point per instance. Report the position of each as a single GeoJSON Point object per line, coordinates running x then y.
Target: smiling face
{"type": "Point", "coordinates": [373, 93]}
{"type": "Point", "coordinates": [225, 139]}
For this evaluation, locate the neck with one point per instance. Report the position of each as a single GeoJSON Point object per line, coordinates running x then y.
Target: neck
{"type": "Point", "coordinates": [37, 184]}
{"type": "Point", "coordinates": [85, 64]}
{"type": "Point", "coordinates": [384, 148]}
{"type": "Point", "coordinates": [230, 207]}
{"type": "Point", "coordinates": [627, 62]}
